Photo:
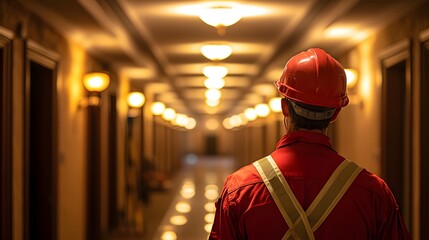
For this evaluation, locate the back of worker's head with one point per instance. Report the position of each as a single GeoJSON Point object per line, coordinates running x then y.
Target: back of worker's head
{"type": "Point", "coordinates": [314, 86]}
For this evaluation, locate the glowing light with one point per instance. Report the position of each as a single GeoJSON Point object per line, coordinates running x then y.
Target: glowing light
{"type": "Point", "coordinates": [351, 76]}
{"type": "Point", "coordinates": [169, 114]}
{"type": "Point", "coordinates": [216, 52]}
{"type": "Point", "coordinates": [220, 16]}
{"type": "Point", "coordinates": [213, 94]}
{"type": "Point", "coordinates": [191, 124]}
{"type": "Point", "coordinates": [208, 227]}
{"type": "Point", "coordinates": [188, 189]}
{"type": "Point", "coordinates": [178, 220]}
{"type": "Point", "coordinates": [212, 103]}
{"type": "Point", "coordinates": [183, 207]}
{"type": "Point", "coordinates": [135, 99]}
{"type": "Point", "coordinates": [96, 81]}
{"type": "Point", "coordinates": [169, 235]}
{"type": "Point", "coordinates": [216, 72]}
{"type": "Point", "coordinates": [262, 110]}
{"type": "Point", "coordinates": [275, 104]}
{"type": "Point", "coordinates": [209, 217]}
{"type": "Point", "coordinates": [210, 207]}
{"type": "Point", "coordinates": [227, 123]}
{"type": "Point", "coordinates": [250, 114]}
{"type": "Point", "coordinates": [213, 83]}
{"type": "Point", "coordinates": [157, 108]}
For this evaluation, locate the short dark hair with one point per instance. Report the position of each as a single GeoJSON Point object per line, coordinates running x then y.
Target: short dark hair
{"type": "Point", "coordinates": [305, 123]}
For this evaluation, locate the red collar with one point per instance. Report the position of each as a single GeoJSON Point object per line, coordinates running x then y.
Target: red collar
{"type": "Point", "coordinates": [304, 136]}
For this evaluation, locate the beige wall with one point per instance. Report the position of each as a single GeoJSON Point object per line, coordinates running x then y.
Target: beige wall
{"type": "Point", "coordinates": [73, 62]}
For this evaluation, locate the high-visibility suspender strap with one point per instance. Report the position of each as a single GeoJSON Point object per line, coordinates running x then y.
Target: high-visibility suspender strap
{"type": "Point", "coordinates": [284, 198]}
{"type": "Point", "coordinates": [303, 225]}
{"type": "Point", "coordinates": [330, 195]}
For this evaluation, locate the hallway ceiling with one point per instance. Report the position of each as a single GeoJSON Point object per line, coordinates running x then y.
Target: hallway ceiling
{"type": "Point", "coordinates": [156, 43]}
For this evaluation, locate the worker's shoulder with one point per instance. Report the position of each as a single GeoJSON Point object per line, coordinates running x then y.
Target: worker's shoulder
{"type": "Point", "coordinates": [243, 177]}
{"type": "Point", "coordinates": [373, 184]}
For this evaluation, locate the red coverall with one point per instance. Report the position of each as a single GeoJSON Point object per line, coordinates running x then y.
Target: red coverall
{"type": "Point", "coordinates": [246, 210]}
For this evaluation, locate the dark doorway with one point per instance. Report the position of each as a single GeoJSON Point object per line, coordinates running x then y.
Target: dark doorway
{"type": "Point", "coordinates": [424, 143]}
{"type": "Point", "coordinates": [5, 142]}
{"type": "Point", "coordinates": [41, 169]}
{"type": "Point", "coordinates": [113, 136]}
{"type": "Point", "coordinates": [396, 129]}
{"type": "Point", "coordinates": [211, 144]}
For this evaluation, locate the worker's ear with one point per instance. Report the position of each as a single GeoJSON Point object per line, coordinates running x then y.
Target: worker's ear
{"type": "Point", "coordinates": [335, 114]}
{"type": "Point", "coordinates": [285, 108]}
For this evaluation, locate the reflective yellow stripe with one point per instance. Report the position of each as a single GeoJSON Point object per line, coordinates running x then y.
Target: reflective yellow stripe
{"type": "Point", "coordinates": [284, 198]}
{"type": "Point", "coordinates": [303, 225]}
{"type": "Point", "coordinates": [330, 195]}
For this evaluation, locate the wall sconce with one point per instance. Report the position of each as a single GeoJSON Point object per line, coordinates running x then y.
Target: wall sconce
{"type": "Point", "coordinates": [352, 79]}
{"type": "Point", "coordinates": [216, 52]}
{"type": "Point", "coordinates": [262, 110]}
{"type": "Point", "coordinates": [275, 104]}
{"type": "Point", "coordinates": [135, 101]}
{"type": "Point", "coordinates": [95, 83]}
{"type": "Point", "coordinates": [220, 17]}
{"type": "Point", "coordinates": [157, 108]}
{"type": "Point", "coordinates": [351, 76]}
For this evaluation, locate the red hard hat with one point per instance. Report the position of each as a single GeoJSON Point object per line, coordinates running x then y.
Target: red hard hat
{"type": "Point", "coordinates": [315, 78]}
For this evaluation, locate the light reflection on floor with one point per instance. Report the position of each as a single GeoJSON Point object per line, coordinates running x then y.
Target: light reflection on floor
{"type": "Point", "coordinates": [191, 213]}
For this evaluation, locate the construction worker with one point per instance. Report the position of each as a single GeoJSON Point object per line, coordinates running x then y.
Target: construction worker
{"type": "Point", "coordinates": [305, 189]}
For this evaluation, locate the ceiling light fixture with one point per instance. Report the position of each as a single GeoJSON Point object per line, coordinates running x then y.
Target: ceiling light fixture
{"type": "Point", "coordinates": [212, 83]}
{"type": "Point", "coordinates": [216, 72]}
{"type": "Point", "coordinates": [216, 52]}
{"type": "Point", "coordinates": [213, 94]}
{"type": "Point", "coordinates": [220, 17]}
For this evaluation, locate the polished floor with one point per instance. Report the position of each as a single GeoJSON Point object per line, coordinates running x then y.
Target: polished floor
{"type": "Point", "coordinates": [190, 213]}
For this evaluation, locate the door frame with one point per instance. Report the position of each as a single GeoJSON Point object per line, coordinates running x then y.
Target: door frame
{"type": "Point", "coordinates": [47, 58]}
{"type": "Point", "coordinates": [6, 203]}
{"type": "Point", "coordinates": [391, 56]}
{"type": "Point", "coordinates": [424, 138]}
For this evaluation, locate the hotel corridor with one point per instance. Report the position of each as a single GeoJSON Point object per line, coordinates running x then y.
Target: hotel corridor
{"type": "Point", "coordinates": [191, 211]}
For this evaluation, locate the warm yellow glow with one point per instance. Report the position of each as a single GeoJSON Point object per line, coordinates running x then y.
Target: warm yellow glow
{"type": "Point", "coordinates": [178, 220]}
{"type": "Point", "coordinates": [250, 114]}
{"type": "Point", "coordinates": [96, 81]}
{"type": "Point", "coordinates": [209, 217]}
{"type": "Point", "coordinates": [212, 124]}
{"type": "Point", "coordinates": [191, 124]}
{"type": "Point", "coordinates": [157, 108]}
{"type": "Point", "coordinates": [235, 121]}
{"type": "Point", "coordinates": [213, 83]}
{"type": "Point", "coordinates": [227, 123]}
{"type": "Point", "coordinates": [168, 235]}
{"type": "Point", "coordinates": [340, 32]}
{"type": "Point", "coordinates": [208, 227]}
{"type": "Point", "coordinates": [262, 110]}
{"type": "Point", "coordinates": [210, 207]}
{"type": "Point", "coordinates": [188, 189]}
{"type": "Point", "coordinates": [135, 99]}
{"type": "Point", "coordinates": [181, 119]}
{"type": "Point", "coordinates": [243, 118]}
{"type": "Point", "coordinates": [275, 104]}
{"type": "Point", "coordinates": [216, 72]}
{"type": "Point", "coordinates": [351, 76]}
{"type": "Point", "coordinates": [216, 52]}
{"type": "Point", "coordinates": [213, 94]}
{"type": "Point", "coordinates": [220, 16]}
{"type": "Point", "coordinates": [183, 207]}
{"type": "Point", "coordinates": [212, 103]}
{"type": "Point", "coordinates": [169, 114]}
